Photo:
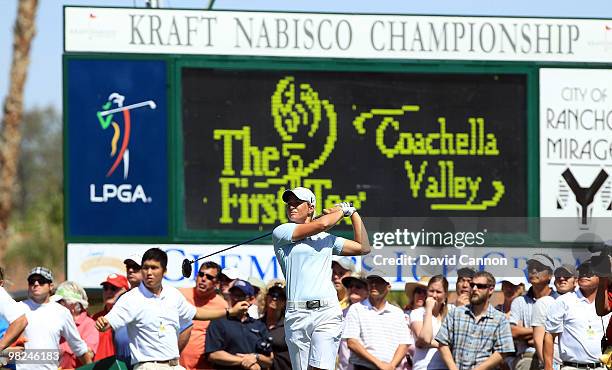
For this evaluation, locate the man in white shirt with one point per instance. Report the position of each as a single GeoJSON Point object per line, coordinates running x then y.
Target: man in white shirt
{"type": "Point", "coordinates": [48, 322]}
{"type": "Point", "coordinates": [540, 269]}
{"type": "Point", "coordinates": [14, 313]}
{"type": "Point", "coordinates": [573, 318]}
{"type": "Point", "coordinates": [376, 331]}
{"type": "Point", "coordinates": [154, 313]}
{"type": "Point", "coordinates": [565, 281]}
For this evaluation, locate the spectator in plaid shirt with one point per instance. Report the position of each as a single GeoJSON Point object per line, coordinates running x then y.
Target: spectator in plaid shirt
{"type": "Point", "coordinates": [475, 336]}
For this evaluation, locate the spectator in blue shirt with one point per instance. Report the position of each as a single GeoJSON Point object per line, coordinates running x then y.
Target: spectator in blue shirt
{"type": "Point", "coordinates": [237, 343]}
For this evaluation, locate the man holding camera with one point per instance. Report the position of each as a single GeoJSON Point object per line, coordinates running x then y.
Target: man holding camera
{"type": "Point", "coordinates": [239, 342]}
{"type": "Point", "coordinates": [573, 318]}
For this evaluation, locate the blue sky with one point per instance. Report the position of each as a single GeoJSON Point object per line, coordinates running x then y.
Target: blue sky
{"type": "Point", "coordinates": [44, 84]}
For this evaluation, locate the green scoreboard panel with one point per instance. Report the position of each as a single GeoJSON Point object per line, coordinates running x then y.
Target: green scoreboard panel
{"type": "Point", "coordinates": [395, 143]}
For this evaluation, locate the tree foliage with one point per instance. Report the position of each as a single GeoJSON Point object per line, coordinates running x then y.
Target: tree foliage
{"type": "Point", "coordinates": [36, 233]}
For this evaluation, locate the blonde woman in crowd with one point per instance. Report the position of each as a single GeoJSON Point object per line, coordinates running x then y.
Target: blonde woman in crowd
{"type": "Point", "coordinates": [425, 323]}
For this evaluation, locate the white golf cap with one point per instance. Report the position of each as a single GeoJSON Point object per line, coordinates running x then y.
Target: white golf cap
{"type": "Point", "coordinates": [302, 194]}
{"type": "Point", "coordinates": [544, 259]}
{"type": "Point", "coordinates": [233, 273]}
{"type": "Point", "coordinates": [514, 276]}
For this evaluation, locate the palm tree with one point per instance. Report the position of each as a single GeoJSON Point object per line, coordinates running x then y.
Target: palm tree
{"type": "Point", "coordinates": [10, 134]}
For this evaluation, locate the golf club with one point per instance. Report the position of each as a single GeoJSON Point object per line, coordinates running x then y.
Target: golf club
{"type": "Point", "coordinates": [187, 269]}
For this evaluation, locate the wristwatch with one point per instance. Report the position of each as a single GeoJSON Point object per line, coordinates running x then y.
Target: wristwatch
{"type": "Point", "coordinates": [227, 315]}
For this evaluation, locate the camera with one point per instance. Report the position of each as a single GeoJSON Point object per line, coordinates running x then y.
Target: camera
{"type": "Point", "coordinates": [264, 346]}
{"type": "Point", "coordinates": [600, 263]}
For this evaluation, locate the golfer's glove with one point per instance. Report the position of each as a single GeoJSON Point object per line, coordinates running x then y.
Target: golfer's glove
{"type": "Point", "coordinates": [347, 209]}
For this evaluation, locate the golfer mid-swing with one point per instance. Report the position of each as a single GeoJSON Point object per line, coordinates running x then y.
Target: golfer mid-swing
{"type": "Point", "coordinates": [313, 320]}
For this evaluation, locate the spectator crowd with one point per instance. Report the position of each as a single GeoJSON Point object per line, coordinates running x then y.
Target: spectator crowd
{"type": "Point", "coordinates": [228, 321]}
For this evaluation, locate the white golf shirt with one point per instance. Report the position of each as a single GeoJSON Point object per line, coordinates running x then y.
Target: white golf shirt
{"type": "Point", "coordinates": [153, 322]}
{"type": "Point", "coordinates": [306, 263]}
{"type": "Point", "coordinates": [580, 329]}
{"type": "Point", "coordinates": [380, 332]}
{"type": "Point", "coordinates": [10, 309]}
{"type": "Point", "coordinates": [47, 323]}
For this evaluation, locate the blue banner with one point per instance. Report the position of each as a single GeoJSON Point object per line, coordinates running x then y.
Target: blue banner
{"type": "Point", "coordinates": [116, 142]}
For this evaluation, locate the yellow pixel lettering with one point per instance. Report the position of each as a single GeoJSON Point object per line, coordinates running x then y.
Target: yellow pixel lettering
{"type": "Point", "coordinates": [415, 181]}
{"type": "Point", "coordinates": [228, 136]}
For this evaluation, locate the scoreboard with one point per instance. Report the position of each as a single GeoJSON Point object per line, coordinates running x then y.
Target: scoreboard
{"type": "Point", "coordinates": [185, 126]}
{"type": "Point", "coordinates": [396, 144]}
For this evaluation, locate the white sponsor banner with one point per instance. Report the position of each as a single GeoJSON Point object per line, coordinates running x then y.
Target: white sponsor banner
{"type": "Point", "coordinates": [89, 264]}
{"type": "Point", "coordinates": [172, 31]}
{"type": "Point", "coordinates": [576, 154]}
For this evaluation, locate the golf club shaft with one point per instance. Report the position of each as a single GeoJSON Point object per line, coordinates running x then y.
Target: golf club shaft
{"type": "Point", "coordinates": [244, 242]}
{"type": "Point", "coordinates": [234, 246]}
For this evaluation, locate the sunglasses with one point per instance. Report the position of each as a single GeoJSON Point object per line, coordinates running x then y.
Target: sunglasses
{"type": "Point", "coordinates": [420, 291]}
{"type": "Point", "coordinates": [275, 295]}
{"type": "Point", "coordinates": [109, 287]}
{"type": "Point", "coordinates": [39, 280]}
{"type": "Point", "coordinates": [208, 276]}
{"type": "Point", "coordinates": [539, 267]}
{"type": "Point", "coordinates": [479, 286]}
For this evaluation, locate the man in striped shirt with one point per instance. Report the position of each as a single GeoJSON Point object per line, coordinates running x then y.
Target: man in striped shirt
{"type": "Point", "coordinates": [475, 336]}
{"type": "Point", "coordinates": [367, 327]}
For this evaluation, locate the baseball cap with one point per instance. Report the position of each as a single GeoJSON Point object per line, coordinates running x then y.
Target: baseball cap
{"type": "Point", "coordinates": [566, 270]}
{"type": "Point", "coordinates": [42, 271]}
{"type": "Point", "coordinates": [135, 258]}
{"type": "Point", "coordinates": [70, 291]}
{"type": "Point", "coordinates": [258, 284]}
{"type": "Point", "coordinates": [514, 276]}
{"type": "Point", "coordinates": [245, 286]}
{"type": "Point", "coordinates": [466, 272]}
{"type": "Point", "coordinates": [355, 276]}
{"type": "Point", "coordinates": [302, 194]}
{"type": "Point", "coordinates": [119, 281]}
{"type": "Point", "coordinates": [544, 259]}
{"type": "Point", "coordinates": [345, 262]}
{"type": "Point", "coordinates": [376, 274]}
{"type": "Point", "coordinates": [233, 273]}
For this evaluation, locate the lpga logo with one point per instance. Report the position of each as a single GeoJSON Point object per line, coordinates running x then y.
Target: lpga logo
{"type": "Point", "coordinates": [125, 193]}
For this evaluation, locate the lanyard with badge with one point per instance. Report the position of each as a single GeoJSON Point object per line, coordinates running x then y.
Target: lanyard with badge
{"type": "Point", "coordinates": [162, 329]}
